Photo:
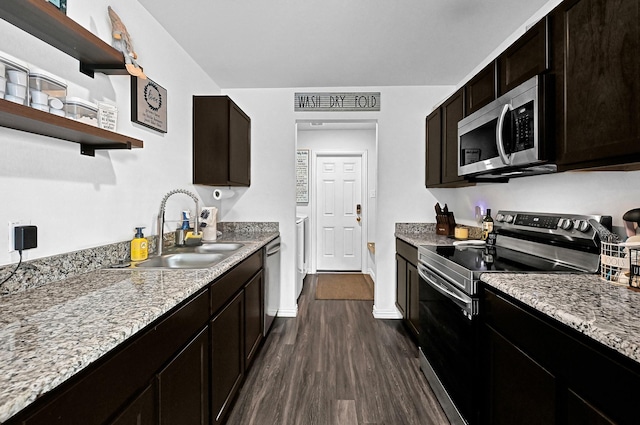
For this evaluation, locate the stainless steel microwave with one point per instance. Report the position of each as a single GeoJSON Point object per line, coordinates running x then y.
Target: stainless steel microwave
{"type": "Point", "coordinates": [504, 138]}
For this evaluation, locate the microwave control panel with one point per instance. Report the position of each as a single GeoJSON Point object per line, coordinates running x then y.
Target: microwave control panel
{"type": "Point", "coordinates": [522, 119]}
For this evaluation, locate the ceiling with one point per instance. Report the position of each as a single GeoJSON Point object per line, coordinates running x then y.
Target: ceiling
{"type": "Point", "coordinates": [339, 43]}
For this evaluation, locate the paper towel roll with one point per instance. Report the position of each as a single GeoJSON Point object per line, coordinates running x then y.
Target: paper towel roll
{"type": "Point", "coordinates": [223, 194]}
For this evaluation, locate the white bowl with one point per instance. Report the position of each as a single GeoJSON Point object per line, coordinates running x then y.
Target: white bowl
{"type": "Point", "coordinates": [39, 97]}
{"type": "Point", "coordinates": [14, 99]}
{"type": "Point", "coordinates": [55, 103]}
{"type": "Point", "coordinates": [17, 90]}
{"type": "Point", "coordinates": [58, 112]}
{"type": "Point", "coordinates": [17, 77]}
{"type": "Point", "coordinates": [40, 107]}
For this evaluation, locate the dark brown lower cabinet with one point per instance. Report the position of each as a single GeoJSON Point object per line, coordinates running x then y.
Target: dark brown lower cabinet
{"type": "Point", "coordinates": [184, 369]}
{"type": "Point", "coordinates": [183, 385]}
{"type": "Point", "coordinates": [253, 317]}
{"type": "Point", "coordinates": [519, 390]}
{"type": "Point", "coordinates": [142, 411]}
{"type": "Point", "coordinates": [227, 357]}
{"type": "Point", "coordinates": [539, 371]}
{"type": "Point", "coordinates": [407, 297]}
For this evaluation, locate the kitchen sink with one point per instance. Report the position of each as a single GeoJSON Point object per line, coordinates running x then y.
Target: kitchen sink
{"type": "Point", "coordinates": [185, 260]}
{"type": "Point", "coordinates": [219, 247]}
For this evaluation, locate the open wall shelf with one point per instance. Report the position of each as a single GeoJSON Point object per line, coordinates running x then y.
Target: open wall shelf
{"type": "Point", "coordinates": [90, 138]}
{"type": "Point", "coordinates": [44, 21]}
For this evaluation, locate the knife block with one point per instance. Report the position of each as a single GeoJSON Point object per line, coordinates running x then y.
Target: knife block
{"type": "Point", "coordinates": [445, 224]}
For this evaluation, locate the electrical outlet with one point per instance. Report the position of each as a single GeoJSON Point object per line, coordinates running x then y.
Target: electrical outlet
{"type": "Point", "coordinates": [11, 232]}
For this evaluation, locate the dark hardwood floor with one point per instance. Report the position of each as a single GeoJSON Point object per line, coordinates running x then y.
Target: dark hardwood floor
{"type": "Point", "coordinates": [335, 364]}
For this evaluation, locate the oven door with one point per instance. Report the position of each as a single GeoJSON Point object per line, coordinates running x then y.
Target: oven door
{"type": "Point", "coordinates": [449, 341]}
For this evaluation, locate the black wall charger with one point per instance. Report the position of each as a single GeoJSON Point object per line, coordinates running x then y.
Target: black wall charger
{"type": "Point", "coordinates": [25, 237]}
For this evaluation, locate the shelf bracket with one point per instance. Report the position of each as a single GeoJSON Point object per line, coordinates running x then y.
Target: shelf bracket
{"type": "Point", "coordinates": [90, 150]}
{"type": "Point", "coordinates": [86, 69]}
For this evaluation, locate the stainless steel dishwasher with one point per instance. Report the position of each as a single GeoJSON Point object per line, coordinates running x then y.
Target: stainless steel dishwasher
{"type": "Point", "coordinates": [271, 282]}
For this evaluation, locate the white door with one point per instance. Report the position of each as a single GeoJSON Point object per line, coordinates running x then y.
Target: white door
{"type": "Point", "coordinates": [339, 187]}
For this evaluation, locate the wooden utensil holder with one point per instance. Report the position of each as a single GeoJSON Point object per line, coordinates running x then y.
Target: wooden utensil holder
{"type": "Point", "coordinates": [445, 224]}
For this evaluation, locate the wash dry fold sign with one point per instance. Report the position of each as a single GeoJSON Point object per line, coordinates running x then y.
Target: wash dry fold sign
{"type": "Point", "coordinates": [336, 102]}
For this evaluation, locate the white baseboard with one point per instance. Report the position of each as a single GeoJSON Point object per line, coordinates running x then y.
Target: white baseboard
{"type": "Point", "coordinates": [288, 312]}
{"type": "Point", "coordinates": [392, 313]}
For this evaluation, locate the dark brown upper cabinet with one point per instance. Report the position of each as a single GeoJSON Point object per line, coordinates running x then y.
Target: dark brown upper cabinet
{"type": "Point", "coordinates": [434, 148]}
{"type": "Point", "coordinates": [452, 112]}
{"type": "Point", "coordinates": [524, 59]}
{"type": "Point", "coordinates": [596, 64]}
{"type": "Point", "coordinates": [221, 142]}
{"type": "Point", "coordinates": [442, 144]}
{"type": "Point", "coordinates": [481, 89]}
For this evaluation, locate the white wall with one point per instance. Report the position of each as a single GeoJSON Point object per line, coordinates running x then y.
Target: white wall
{"type": "Point", "coordinates": [401, 195]}
{"type": "Point", "coordinates": [78, 201]}
{"type": "Point", "coordinates": [346, 140]}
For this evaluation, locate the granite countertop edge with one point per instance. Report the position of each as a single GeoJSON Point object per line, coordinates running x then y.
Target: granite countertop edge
{"type": "Point", "coordinates": [52, 332]}
{"type": "Point", "coordinates": [607, 313]}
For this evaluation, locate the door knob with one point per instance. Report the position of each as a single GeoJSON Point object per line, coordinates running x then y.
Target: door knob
{"type": "Point", "coordinates": [358, 219]}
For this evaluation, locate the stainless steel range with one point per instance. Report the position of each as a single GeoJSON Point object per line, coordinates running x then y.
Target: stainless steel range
{"type": "Point", "coordinates": [449, 307]}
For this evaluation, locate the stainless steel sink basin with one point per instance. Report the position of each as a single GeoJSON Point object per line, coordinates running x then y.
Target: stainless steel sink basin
{"type": "Point", "coordinates": [185, 260]}
{"type": "Point", "coordinates": [219, 247]}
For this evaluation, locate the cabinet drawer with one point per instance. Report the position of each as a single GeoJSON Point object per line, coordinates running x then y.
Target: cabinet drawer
{"type": "Point", "coordinates": [407, 251]}
{"type": "Point", "coordinates": [223, 288]}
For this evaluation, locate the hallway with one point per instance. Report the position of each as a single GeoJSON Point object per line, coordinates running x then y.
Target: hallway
{"type": "Point", "coordinates": [335, 364]}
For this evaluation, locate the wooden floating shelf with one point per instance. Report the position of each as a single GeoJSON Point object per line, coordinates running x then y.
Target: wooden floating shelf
{"type": "Point", "coordinates": [44, 21]}
{"type": "Point", "coordinates": [90, 138]}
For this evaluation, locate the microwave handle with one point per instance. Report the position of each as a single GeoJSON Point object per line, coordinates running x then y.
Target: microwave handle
{"type": "Point", "coordinates": [499, 142]}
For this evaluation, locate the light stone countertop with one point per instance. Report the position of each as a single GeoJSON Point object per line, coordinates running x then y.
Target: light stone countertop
{"type": "Point", "coordinates": [50, 333]}
{"type": "Point", "coordinates": [607, 313]}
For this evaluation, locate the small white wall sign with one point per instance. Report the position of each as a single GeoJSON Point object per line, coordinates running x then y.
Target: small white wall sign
{"type": "Point", "coordinates": [302, 175]}
{"type": "Point", "coordinates": [339, 102]}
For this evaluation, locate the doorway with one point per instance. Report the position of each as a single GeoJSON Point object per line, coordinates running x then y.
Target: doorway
{"type": "Point", "coordinates": [346, 140]}
{"type": "Point", "coordinates": [339, 223]}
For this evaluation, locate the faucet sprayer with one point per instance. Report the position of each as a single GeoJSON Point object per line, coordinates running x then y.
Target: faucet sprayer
{"type": "Point", "coordinates": [161, 215]}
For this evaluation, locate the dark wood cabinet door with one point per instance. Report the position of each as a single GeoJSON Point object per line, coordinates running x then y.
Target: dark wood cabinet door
{"type": "Point", "coordinates": [221, 142]}
{"type": "Point", "coordinates": [580, 412]}
{"type": "Point", "coordinates": [239, 147]}
{"type": "Point", "coordinates": [433, 159]}
{"type": "Point", "coordinates": [227, 357]}
{"type": "Point", "coordinates": [524, 59]}
{"type": "Point", "coordinates": [481, 89]}
{"type": "Point", "coordinates": [518, 390]}
{"type": "Point", "coordinates": [596, 57]}
{"type": "Point", "coordinates": [452, 112]}
{"type": "Point", "coordinates": [253, 317]}
{"type": "Point", "coordinates": [183, 385]}
{"type": "Point", "coordinates": [413, 299]}
{"type": "Point", "coordinates": [401, 285]}
{"type": "Point", "coordinates": [142, 411]}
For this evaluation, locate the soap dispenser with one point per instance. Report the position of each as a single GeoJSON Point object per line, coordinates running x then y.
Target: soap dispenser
{"type": "Point", "coordinates": [139, 246]}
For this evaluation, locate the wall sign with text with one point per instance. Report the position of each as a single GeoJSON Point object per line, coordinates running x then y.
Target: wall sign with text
{"type": "Point", "coordinates": [325, 102]}
{"type": "Point", "coordinates": [302, 175]}
{"type": "Point", "coordinates": [148, 104]}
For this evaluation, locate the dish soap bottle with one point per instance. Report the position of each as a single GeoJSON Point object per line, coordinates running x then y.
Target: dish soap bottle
{"type": "Point", "coordinates": [139, 246]}
{"type": "Point", "coordinates": [487, 225]}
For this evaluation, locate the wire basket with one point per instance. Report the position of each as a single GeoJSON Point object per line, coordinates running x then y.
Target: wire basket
{"type": "Point", "coordinates": [620, 264]}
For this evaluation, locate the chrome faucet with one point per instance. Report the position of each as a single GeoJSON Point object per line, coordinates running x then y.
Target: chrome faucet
{"type": "Point", "coordinates": [163, 204]}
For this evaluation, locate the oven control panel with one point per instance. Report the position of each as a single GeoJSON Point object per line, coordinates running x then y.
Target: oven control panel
{"type": "Point", "coordinates": [581, 226]}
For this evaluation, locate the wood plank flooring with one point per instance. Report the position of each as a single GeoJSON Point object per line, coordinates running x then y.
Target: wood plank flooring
{"type": "Point", "coordinates": [335, 364]}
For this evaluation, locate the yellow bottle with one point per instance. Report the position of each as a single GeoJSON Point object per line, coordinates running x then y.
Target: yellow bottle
{"type": "Point", "coordinates": [139, 246]}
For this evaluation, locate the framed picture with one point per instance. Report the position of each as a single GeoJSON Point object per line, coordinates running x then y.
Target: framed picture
{"type": "Point", "coordinates": [60, 4]}
{"type": "Point", "coordinates": [148, 104]}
